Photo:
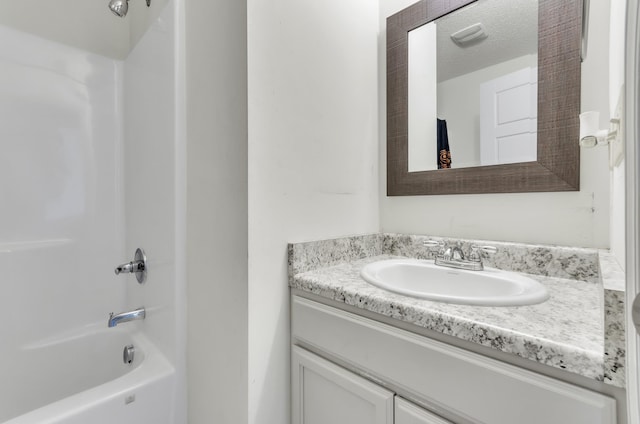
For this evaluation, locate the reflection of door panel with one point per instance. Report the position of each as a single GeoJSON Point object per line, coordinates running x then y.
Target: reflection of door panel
{"type": "Point", "coordinates": [509, 118]}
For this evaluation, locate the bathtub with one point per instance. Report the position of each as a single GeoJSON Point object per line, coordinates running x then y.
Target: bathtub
{"type": "Point", "coordinates": [81, 379]}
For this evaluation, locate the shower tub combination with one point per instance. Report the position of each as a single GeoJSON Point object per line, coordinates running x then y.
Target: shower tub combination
{"type": "Point", "coordinates": [71, 212]}
{"type": "Point", "coordinates": [83, 379]}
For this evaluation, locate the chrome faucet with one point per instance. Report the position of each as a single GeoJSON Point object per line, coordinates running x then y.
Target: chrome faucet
{"type": "Point", "coordinates": [452, 256]}
{"type": "Point", "coordinates": [126, 317]}
{"type": "Point", "coordinates": [137, 266]}
{"type": "Point", "coordinates": [453, 252]}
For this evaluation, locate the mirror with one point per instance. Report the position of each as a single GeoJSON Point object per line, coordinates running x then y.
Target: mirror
{"type": "Point", "coordinates": [496, 108]}
{"type": "Point", "coordinates": [473, 87]}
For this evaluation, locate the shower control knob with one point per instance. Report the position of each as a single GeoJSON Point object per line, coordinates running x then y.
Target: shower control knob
{"type": "Point", "coordinates": [138, 266]}
{"type": "Point", "coordinates": [131, 267]}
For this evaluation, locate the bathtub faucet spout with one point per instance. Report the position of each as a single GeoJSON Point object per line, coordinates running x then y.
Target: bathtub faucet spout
{"type": "Point", "coordinates": [126, 316]}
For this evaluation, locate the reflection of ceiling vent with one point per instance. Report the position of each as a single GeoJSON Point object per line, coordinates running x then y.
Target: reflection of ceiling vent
{"type": "Point", "coordinates": [465, 36]}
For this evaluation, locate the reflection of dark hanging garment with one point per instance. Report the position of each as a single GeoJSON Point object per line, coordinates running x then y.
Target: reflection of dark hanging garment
{"type": "Point", "coordinates": [444, 154]}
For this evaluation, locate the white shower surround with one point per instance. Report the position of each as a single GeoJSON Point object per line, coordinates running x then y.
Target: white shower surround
{"type": "Point", "coordinates": [94, 165]}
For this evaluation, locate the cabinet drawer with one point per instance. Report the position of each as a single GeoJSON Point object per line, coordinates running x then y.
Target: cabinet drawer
{"type": "Point", "coordinates": [471, 386]}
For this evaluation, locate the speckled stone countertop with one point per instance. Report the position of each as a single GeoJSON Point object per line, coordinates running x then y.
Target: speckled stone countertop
{"type": "Point", "coordinates": [550, 333]}
{"type": "Point", "coordinates": [613, 281]}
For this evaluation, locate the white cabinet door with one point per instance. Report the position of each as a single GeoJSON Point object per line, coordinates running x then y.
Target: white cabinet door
{"type": "Point", "coordinates": [408, 413]}
{"type": "Point", "coordinates": [324, 393]}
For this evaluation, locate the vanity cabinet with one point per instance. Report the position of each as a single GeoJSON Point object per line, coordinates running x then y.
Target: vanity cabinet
{"type": "Point", "coordinates": [462, 386]}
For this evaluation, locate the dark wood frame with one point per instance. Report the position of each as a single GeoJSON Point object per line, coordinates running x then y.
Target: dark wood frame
{"type": "Point", "coordinates": [558, 164]}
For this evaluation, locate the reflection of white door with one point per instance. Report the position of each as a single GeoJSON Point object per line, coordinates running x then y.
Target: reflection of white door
{"type": "Point", "coordinates": [509, 118]}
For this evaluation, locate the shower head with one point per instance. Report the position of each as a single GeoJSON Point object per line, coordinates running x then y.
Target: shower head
{"type": "Point", "coordinates": [121, 7]}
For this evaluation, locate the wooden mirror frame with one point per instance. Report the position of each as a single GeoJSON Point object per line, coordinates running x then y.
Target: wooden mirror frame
{"type": "Point", "coordinates": [558, 165]}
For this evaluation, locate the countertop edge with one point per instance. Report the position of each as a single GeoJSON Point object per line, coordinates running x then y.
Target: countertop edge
{"type": "Point", "coordinates": [579, 361]}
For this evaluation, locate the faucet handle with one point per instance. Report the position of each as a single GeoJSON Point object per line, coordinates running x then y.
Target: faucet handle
{"type": "Point", "coordinates": [475, 252]}
{"type": "Point", "coordinates": [433, 243]}
{"type": "Point", "coordinates": [138, 266]}
{"type": "Point", "coordinates": [129, 267]}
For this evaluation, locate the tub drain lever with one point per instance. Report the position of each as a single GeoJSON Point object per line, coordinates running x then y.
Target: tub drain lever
{"type": "Point", "coordinates": [128, 354]}
{"type": "Point", "coordinates": [138, 266]}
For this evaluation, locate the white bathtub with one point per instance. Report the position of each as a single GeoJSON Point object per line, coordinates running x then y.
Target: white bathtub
{"type": "Point", "coordinates": [82, 379]}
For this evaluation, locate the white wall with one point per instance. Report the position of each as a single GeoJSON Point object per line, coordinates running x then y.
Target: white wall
{"type": "Point", "coordinates": [575, 218]}
{"type": "Point", "coordinates": [140, 17]}
{"type": "Point", "coordinates": [87, 25]}
{"type": "Point", "coordinates": [60, 173]}
{"type": "Point", "coordinates": [616, 83]}
{"type": "Point", "coordinates": [216, 70]}
{"type": "Point", "coordinates": [313, 162]}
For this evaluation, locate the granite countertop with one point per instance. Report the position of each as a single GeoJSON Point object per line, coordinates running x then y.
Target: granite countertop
{"type": "Point", "coordinates": [613, 281]}
{"type": "Point", "coordinates": [567, 331]}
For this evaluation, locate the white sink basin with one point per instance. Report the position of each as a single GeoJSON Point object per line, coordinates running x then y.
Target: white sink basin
{"type": "Point", "coordinates": [423, 279]}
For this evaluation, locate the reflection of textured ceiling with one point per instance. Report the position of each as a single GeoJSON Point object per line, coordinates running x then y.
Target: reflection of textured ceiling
{"type": "Point", "coordinates": [85, 24]}
{"type": "Point", "coordinates": [512, 26]}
